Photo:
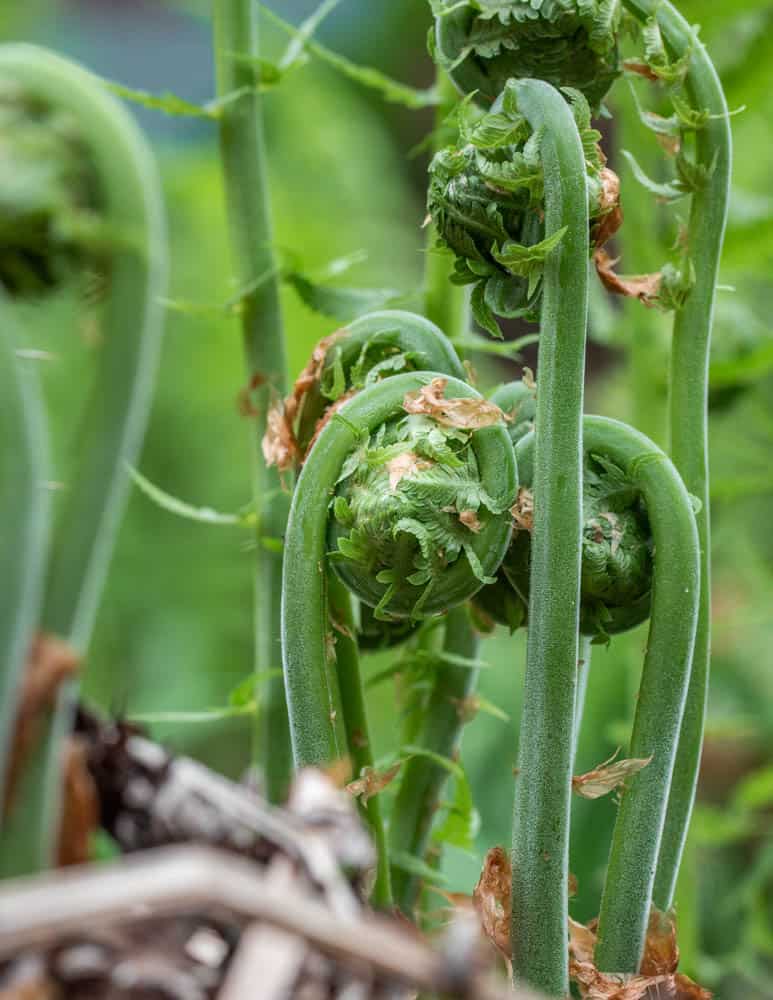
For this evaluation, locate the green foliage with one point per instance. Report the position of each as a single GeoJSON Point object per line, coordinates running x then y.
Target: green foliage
{"type": "Point", "coordinates": [486, 200]}
{"type": "Point", "coordinates": [409, 504]}
{"type": "Point", "coordinates": [483, 43]}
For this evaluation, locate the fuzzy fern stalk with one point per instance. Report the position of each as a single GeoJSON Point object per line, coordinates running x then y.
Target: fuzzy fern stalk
{"type": "Point", "coordinates": [688, 419]}
{"type": "Point", "coordinates": [568, 43]}
{"type": "Point", "coordinates": [236, 44]}
{"type": "Point", "coordinates": [93, 200]}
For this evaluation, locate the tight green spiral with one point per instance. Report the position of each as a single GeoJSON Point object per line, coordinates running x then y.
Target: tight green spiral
{"type": "Point", "coordinates": [486, 198]}
{"type": "Point", "coordinates": [568, 43]}
{"type": "Point", "coordinates": [414, 502]}
{"type": "Point", "coordinates": [617, 551]}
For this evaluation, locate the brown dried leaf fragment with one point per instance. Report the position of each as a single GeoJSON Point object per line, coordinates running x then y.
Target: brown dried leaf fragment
{"type": "Point", "coordinates": [371, 781]}
{"type": "Point", "coordinates": [80, 806]}
{"type": "Point", "coordinates": [657, 979]}
{"type": "Point", "coordinates": [325, 419]}
{"type": "Point", "coordinates": [582, 941]}
{"type": "Point", "coordinates": [50, 663]}
{"type": "Point", "coordinates": [640, 69]}
{"type": "Point", "coordinates": [492, 898]}
{"type": "Point", "coordinates": [523, 510]}
{"type": "Point", "coordinates": [611, 210]}
{"type": "Point", "coordinates": [407, 464]}
{"type": "Point", "coordinates": [607, 776]}
{"type": "Point", "coordinates": [463, 413]}
{"type": "Point", "coordinates": [280, 445]}
{"type": "Point", "coordinates": [644, 287]}
{"type": "Point", "coordinates": [661, 952]}
{"type": "Point", "coordinates": [470, 520]}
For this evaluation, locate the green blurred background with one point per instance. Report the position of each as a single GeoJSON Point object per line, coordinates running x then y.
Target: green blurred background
{"type": "Point", "coordinates": [174, 630]}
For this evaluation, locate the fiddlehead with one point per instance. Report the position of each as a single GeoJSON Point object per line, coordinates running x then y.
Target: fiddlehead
{"type": "Point", "coordinates": [627, 898]}
{"type": "Point", "coordinates": [688, 418]}
{"type": "Point", "coordinates": [568, 43]}
{"type": "Point", "coordinates": [372, 430]}
{"type": "Point", "coordinates": [365, 352]}
{"type": "Point", "coordinates": [486, 199]}
{"type": "Point", "coordinates": [617, 547]}
{"type": "Point", "coordinates": [134, 262]}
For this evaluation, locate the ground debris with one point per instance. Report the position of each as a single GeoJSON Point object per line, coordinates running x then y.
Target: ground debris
{"type": "Point", "coordinates": [221, 895]}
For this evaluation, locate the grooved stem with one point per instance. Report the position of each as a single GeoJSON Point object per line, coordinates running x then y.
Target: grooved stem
{"type": "Point", "coordinates": [688, 411]}
{"type": "Point", "coordinates": [242, 152]}
{"type": "Point", "coordinates": [627, 897]}
{"type": "Point", "coordinates": [355, 719]}
{"type": "Point", "coordinates": [543, 786]}
{"type": "Point", "coordinates": [422, 781]}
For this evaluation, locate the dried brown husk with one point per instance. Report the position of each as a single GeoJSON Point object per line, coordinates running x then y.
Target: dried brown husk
{"type": "Point", "coordinates": [463, 413]}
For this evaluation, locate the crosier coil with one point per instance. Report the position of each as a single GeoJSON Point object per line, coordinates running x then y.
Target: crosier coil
{"type": "Point", "coordinates": [617, 548]}
{"type": "Point", "coordinates": [486, 198]}
{"type": "Point", "coordinates": [568, 43]}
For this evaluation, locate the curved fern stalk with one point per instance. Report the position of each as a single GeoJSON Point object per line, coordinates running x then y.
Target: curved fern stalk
{"type": "Point", "coordinates": [546, 750]}
{"type": "Point", "coordinates": [627, 898]}
{"type": "Point", "coordinates": [130, 206]}
{"type": "Point", "coordinates": [25, 515]}
{"type": "Point", "coordinates": [371, 461]}
{"type": "Point", "coordinates": [242, 150]}
{"type": "Point", "coordinates": [688, 412]}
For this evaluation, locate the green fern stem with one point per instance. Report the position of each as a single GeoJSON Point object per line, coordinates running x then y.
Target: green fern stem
{"type": "Point", "coordinates": [355, 718]}
{"type": "Point", "coordinates": [627, 896]}
{"type": "Point", "coordinates": [132, 214]}
{"type": "Point", "coordinates": [243, 157]}
{"type": "Point", "coordinates": [688, 412]}
{"type": "Point", "coordinates": [25, 513]}
{"type": "Point", "coordinates": [423, 780]}
{"type": "Point", "coordinates": [543, 786]}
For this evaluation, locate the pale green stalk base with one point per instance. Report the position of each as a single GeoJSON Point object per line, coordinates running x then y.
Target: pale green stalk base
{"type": "Point", "coordinates": [243, 156]}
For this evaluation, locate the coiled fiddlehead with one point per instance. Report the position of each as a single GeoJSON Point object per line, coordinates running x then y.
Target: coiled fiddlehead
{"type": "Point", "coordinates": [568, 43]}
{"type": "Point", "coordinates": [134, 261]}
{"type": "Point", "coordinates": [370, 349]}
{"type": "Point", "coordinates": [486, 199]}
{"type": "Point", "coordinates": [353, 437]}
{"type": "Point", "coordinates": [627, 898]}
{"type": "Point", "coordinates": [617, 546]}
